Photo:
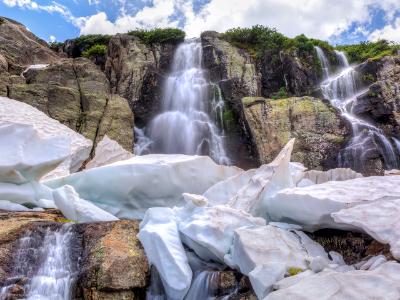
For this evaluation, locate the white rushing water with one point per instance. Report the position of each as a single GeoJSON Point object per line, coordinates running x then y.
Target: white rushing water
{"type": "Point", "coordinates": [55, 276]}
{"type": "Point", "coordinates": [341, 89]}
{"type": "Point", "coordinates": [191, 107]}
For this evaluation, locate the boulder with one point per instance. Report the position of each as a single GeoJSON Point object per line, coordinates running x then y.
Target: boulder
{"type": "Point", "coordinates": [312, 206]}
{"type": "Point", "coordinates": [319, 131]}
{"type": "Point", "coordinates": [128, 188]}
{"type": "Point", "coordinates": [113, 263]}
{"type": "Point", "coordinates": [107, 151]}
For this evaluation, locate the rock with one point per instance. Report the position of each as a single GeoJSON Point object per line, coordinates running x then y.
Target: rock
{"type": "Point", "coordinates": [108, 151]}
{"type": "Point", "coordinates": [159, 234]}
{"type": "Point", "coordinates": [114, 265]}
{"type": "Point", "coordinates": [379, 284]}
{"type": "Point", "coordinates": [21, 48]}
{"type": "Point", "coordinates": [12, 112]}
{"type": "Point", "coordinates": [128, 188]}
{"type": "Point", "coordinates": [76, 93]}
{"type": "Point", "coordinates": [136, 72]}
{"type": "Point", "coordinates": [258, 245]}
{"type": "Point", "coordinates": [379, 219]}
{"type": "Point", "coordinates": [319, 131]}
{"type": "Point", "coordinates": [78, 210]}
{"type": "Point", "coordinates": [312, 206]}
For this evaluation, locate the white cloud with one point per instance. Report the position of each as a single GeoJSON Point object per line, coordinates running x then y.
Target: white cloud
{"type": "Point", "coordinates": [52, 39]}
{"type": "Point", "coordinates": [390, 32]}
{"type": "Point", "coordinates": [158, 15]}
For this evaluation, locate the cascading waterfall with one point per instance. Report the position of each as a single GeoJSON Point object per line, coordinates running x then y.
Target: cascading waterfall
{"type": "Point", "coordinates": [342, 92]}
{"type": "Point", "coordinates": [48, 268]}
{"type": "Point", "coordinates": [184, 125]}
{"type": "Point", "coordinates": [204, 286]}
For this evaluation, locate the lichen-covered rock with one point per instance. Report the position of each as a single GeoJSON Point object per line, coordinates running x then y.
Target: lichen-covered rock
{"type": "Point", "coordinates": [75, 92]}
{"type": "Point", "coordinates": [135, 71]}
{"type": "Point", "coordinates": [318, 129]}
{"type": "Point", "coordinates": [114, 265]}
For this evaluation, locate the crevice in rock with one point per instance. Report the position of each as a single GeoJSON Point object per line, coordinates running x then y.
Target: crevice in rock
{"type": "Point", "coordinates": [99, 123]}
{"type": "Point", "coordinates": [81, 117]}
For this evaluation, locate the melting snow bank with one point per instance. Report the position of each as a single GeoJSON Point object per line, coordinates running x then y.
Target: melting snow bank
{"type": "Point", "coordinates": [128, 188]}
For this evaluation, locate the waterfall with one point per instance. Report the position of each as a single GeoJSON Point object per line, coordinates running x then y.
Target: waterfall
{"type": "Point", "coordinates": [341, 90]}
{"type": "Point", "coordinates": [184, 124]}
{"type": "Point", "coordinates": [324, 61]}
{"type": "Point", "coordinates": [48, 268]}
{"type": "Point", "coordinates": [204, 286]}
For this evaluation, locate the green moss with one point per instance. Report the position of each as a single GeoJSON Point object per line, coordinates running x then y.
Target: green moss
{"type": "Point", "coordinates": [281, 94]}
{"type": "Point", "coordinates": [159, 35]}
{"type": "Point", "coordinates": [228, 117]}
{"type": "Point", "coordinates": [65, 220]}
{"type": "Point", "coordinates": [294, 271]}
{"type": "Point", "coordinates": [368, 77]}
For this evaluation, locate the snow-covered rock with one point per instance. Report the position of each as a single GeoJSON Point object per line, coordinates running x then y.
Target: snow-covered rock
{"type": "Point", "coordinates": [258, 245]}
{"type": "Point", "coordinates": [312, 206]}
{"type": "Point", "coordinates": [267, 180]}
{"type": "Point", "coordinates": [10, 206]}
{"type": "Point", "coordinates": [209, 230]}
{"type": "Point", "coordinates": [12, 112]}
{"type": "Point", "coordinates": [77, 209]}
{"type": "Point", "coordinates": [338, 174]}
{"type": "Point", "coordinates": [128, 188]}
{"type": "Point", "coordinates": [380, 219]}
{"type": "Point", "coordinates": [382, 283]}
{"type": "Point", "coordinates": [107, 151]}
{"type": "Point", "coordinates": [25, 156]}
{"type": "Point", "coordinates": [160, 239]}
{"type": "Point", "coordinates": [263, 277]}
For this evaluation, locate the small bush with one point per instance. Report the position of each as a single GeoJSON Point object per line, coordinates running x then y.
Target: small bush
{"type": "Point", "coordinates": [2, 21]}
{"type": "Point", "coordinates": [95, 51]}
{"type": "Point", "coordinates": [159, 35]}
{"type": "Point", "coordinates": [281, 94]}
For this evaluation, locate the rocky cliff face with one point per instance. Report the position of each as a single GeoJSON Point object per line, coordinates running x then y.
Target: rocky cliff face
{"type": "Point", "coordinates": [75, 92]}
{"type": "Point", "coordinates": [136, 72]}
{"type": "Point", "coordinates": [381, 103]}
{"type": "Point", "coordinates": [318, 129]}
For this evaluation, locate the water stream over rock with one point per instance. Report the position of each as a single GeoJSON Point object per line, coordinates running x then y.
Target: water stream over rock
{"type": "Point", "coordinates": [367, 139]}
{"type": "Point", "coordinates": [43, 266]}
{"type": "Point", "coordinates": [186, 125]}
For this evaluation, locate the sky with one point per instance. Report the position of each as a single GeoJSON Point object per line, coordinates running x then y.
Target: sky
{"type": "Point", "coordinates": [337, 21]}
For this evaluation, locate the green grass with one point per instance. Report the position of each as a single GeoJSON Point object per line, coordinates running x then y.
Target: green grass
{"type": "Point", "coordinates": [159, 35]}
{"type": "Point", "coordinates": [358, 53]}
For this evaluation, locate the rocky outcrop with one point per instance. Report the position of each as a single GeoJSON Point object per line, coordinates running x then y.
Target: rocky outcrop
{"type": "Point", "coordinates": [381, 103]}
{"type": "Point", "coordinates": [21, 48]}
{"type": "Point", "coordinates": [136, 72]}
{"type": "Point", "coordinates": [318, 129]}
{"type": "Point", "coordinates": [75, 92]}
{"type": "Point", "coordinates": [114, 265]}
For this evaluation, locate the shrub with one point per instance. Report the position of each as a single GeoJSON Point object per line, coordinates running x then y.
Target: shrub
{"type": "Point", "coordinates": [2, 21]}
{"type": "Point", "coordinates": [95, 51]}
{"type": "Point", "coordinates": [159, 35]}
{"type": "Point", "coordinates": [281, 94]}
{"type": "Point", "coordinates": [358, 53]}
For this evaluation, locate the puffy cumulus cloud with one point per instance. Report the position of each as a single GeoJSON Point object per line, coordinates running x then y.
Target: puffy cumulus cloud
{"type": "Point", "coordinates": [390, 32]}
{"type": "Point", "coordinates": [52, 39]}
{"type": "Point", "coordinates": [160, 14]}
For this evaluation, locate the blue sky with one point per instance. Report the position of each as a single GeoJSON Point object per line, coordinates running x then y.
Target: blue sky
{"type": "Point", "coordinates": [339, 21]}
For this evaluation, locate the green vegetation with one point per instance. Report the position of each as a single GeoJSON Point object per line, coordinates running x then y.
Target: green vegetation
{"type": "Point", "coordinates": [294, 271]}
{"type": "Point", "coordinates": [358, 53]}
{"type": "Point", "coordinates": [259, 39]}
{"type": "Point", "coordinates": [281, 94]}
{"type": "Point", "coordinates": [2, 21]}
{"type": "Point", "coordinates": [95, 51]}
{"type": "Point", "coordinates": [85, 42]}
{"type": "Point", "coordinates": [228, 117]}
{"type": "Point", "coordinates": [159, 35]}
{"type": "Point", "coordinates": [55, 45]}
